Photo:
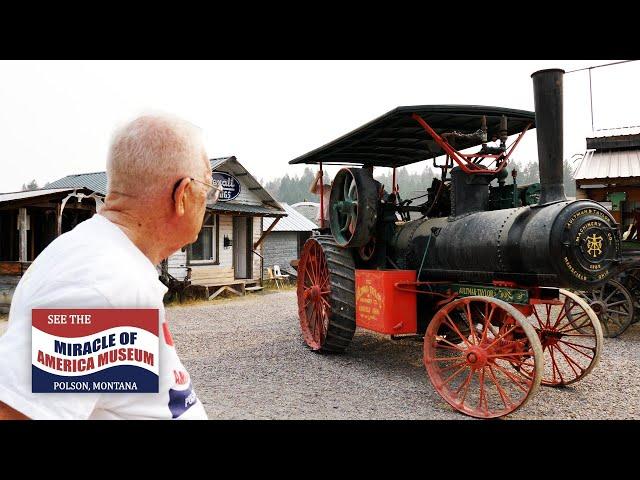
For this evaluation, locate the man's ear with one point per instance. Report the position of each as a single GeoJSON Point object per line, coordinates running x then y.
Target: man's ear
{"type": "Point", "coordinates": [180, 196]}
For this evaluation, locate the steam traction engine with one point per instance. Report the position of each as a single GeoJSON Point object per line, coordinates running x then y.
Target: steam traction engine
{"type": "Point", "coordinates": [481, 273]}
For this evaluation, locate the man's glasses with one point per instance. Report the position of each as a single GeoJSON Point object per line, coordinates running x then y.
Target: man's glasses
{"type": "Point", "coordinates": [213, 191]}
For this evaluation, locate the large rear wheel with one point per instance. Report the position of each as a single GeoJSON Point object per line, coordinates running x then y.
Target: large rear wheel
{"type": "Point", "coordinates": [326, 295]}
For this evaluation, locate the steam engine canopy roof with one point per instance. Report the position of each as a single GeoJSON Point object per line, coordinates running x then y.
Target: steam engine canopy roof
{"type": "Point", "coordinates": [395, 139]}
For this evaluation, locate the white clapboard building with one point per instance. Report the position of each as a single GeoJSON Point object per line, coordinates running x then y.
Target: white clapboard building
{"type": "Point", "coordinates": [228, 252]}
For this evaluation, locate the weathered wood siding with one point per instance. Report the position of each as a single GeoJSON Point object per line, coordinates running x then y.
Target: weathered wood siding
{"type": "Point", "coordinates": [178, 264]}
{"type": "Point", "coordinates": [257, 232]}
{"type": "Point", "coordinates": [279, 249]}
{"type": "Point", "coordinates": [211, 274]}
{"type": "Point", "coordinates": [224, 271]}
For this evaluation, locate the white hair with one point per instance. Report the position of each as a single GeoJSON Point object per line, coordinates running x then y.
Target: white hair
{"type": "Point", "coordinates": [151, 152]}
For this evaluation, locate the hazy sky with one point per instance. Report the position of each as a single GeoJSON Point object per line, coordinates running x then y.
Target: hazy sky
{"type": "Point", "coordinates": [56, 117]}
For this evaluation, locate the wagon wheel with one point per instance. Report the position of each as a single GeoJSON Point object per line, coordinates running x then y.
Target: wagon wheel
{"type": "Point", "coordinates": [571, 338]}
{"type": "Point", "coordinates": [472, 369]}
{"type": "Point", "coordinates": [326, 298]}
{"type": "Point", "coordinates": [632, 284]}
{"type": "Point", "coordinates": [354, 207]}
{"type": "Point", "coordinates": [613, 305]}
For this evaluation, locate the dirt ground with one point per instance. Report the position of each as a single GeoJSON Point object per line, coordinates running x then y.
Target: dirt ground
{"type": "Point", "coordinates": [247, 360]}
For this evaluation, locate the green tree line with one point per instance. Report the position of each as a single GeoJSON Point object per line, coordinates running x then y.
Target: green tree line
{"type": "Point", "coordinates": [294, 189]}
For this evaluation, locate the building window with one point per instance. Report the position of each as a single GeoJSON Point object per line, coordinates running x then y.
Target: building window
{"type": "Point", "coordinates": [205, 248]}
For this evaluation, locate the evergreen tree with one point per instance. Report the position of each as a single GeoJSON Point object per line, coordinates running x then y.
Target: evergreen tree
{"type": "Point", "coordinates": [32, 185]}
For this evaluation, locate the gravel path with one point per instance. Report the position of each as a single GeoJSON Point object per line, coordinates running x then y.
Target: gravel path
{"type": "Point", "coordinates": [248, 361]}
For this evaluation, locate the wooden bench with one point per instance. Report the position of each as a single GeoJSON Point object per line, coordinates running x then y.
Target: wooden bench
{"type": "Point", "coordinates": [218, 280]}
{"type": "Point", "coordinates": [234, 286]}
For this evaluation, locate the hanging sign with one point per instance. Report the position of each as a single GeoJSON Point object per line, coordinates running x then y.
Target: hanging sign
{"type": "Point", "coordinates": [230, 186]}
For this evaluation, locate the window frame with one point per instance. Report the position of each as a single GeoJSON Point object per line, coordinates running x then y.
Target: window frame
{"type": "Point", "coordinates": [215, 242]}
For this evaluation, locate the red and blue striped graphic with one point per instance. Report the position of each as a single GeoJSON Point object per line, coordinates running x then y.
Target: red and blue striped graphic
{"type": "Point", "coordinates": [95, 350]}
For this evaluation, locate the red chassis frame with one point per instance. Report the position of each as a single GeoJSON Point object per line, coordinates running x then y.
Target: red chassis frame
{"type": "Point", "coordinates": [390, 317]}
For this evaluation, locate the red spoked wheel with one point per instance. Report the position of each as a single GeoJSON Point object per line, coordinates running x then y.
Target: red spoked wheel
{"type": "Point", "coordinates": [470, 348]}
{"type": "Point", "coordinates": [326, 298]}
{"type": "Point", "coordinates": [571, 338]}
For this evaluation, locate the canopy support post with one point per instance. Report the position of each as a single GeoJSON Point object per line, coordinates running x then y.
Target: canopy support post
{"type": "Point", "coordinates": [394, 189]}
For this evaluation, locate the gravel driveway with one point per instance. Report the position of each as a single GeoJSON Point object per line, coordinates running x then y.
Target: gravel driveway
{"type": "Point", "coordinates": [247, 360]}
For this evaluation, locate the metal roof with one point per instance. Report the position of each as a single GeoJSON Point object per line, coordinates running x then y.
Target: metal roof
{"type": "Point", "coordinates": [396, 139]}
{"type": "Point", "coordinates": [96, 181]}
{"type": "Point", "coordinates": [7, 197]}
{"type": "Point", "coordinates": [616, 132]}
{"type": "Point", "coordinates": [234, 167]}
{"type": "Point", "coordinates": [293, 222]}
{"type": "Point", "coordinates": [230, 207]}
{"type": "Point", "coordinates": [614, 142]}
{"type": "Point", "coordinates": [609, 164]}
{"type": "Point", "coordinates": [216, 162]}
{"type": "Point", "coordinates": [308, 209]}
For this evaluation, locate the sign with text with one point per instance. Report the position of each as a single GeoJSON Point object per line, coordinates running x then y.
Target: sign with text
{"type": "Point", "coordinates": [230, 186]}
{"type": "Point", "coordinates": [94, 350]}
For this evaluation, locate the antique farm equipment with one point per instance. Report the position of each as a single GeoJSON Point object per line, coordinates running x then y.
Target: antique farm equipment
{"type": "Point", "coordinates": [616, 302]}
{"type": "Point", "coordinates": [483, 272]}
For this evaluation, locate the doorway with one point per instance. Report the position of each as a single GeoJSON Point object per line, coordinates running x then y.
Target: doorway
{"type": "Point", "coordinates": [242, 247]}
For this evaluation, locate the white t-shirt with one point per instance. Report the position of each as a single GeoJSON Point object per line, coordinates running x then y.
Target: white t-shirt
{"type": "Point", "coordinates": [93, 266]}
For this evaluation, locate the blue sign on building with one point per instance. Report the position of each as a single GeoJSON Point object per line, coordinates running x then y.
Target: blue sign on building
{"type": "Point", "coordinates": [230, 186]}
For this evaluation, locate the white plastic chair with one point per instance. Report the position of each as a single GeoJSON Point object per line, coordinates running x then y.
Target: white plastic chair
{"type": "Point", "coordinates": [272, 278]}
{"type": "Point", "coordinates": [278, 273]}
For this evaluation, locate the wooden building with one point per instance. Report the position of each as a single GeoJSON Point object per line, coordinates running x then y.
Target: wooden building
{"type": "Point", "coordinates": [286, 239]}
{"type": "Point", "coordinates": [609, 173]}
{"type": "Point", "coordinates": [227, 254]}
{"type": "Point", "coordinates": [32, 219]}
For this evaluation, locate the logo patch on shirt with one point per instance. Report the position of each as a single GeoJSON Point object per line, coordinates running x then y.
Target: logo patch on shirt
{"type": "Point", "coordinates": [181, 400]}
{"type": "Point", "coordinates": [94, 350]}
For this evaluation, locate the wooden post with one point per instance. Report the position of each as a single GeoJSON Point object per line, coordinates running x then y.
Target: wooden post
{"type": "Point", "coordinates": [33, 240]}
{"type": "Point", "coordinates": [264, 234]}
{"type": "Point", "coordinates": [22, 228]}
{"type": "Point", "coordinates": [58, 219]}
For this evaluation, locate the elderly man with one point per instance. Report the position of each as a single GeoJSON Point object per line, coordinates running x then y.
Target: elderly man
{"type": "Point", "coordinates": [159, 182]}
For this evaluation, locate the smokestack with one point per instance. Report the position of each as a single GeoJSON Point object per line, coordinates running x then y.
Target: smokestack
{"type": "Point", "coordinates": [547, 95]}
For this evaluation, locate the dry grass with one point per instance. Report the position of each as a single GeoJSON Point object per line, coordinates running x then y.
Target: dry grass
{"type": "Point", "coordinates": [228, 297]}
{"type": "Point", "coordinates": [285, 287]}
